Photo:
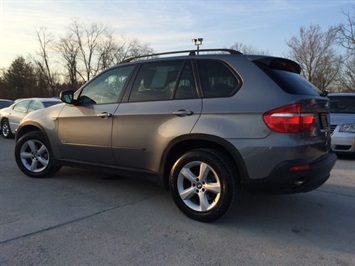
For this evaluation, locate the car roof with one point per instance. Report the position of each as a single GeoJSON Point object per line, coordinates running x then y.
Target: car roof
{"type": "Point", "coordinates": [6, 100]}
{"type": "Point", "coordinates": [186, 53]}
{"type": "Point", "coordinates": [342, 94]}
{"type": "Point", "coordinates": [39, 99]}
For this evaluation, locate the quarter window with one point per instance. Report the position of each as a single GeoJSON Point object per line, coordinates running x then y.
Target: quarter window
{"type": "Point", "coordinates": [216, 79]}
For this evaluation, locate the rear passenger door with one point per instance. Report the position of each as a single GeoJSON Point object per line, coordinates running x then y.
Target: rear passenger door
{"type": "Point", "coordinates": [163, 104]}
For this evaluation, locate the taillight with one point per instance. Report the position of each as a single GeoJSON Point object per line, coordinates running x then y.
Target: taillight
{"type": "Point", "coordinates": [289, 119]}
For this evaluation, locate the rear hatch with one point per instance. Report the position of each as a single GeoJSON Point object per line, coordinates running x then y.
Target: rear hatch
{"type": "Point", "coordinates": [308, 114]}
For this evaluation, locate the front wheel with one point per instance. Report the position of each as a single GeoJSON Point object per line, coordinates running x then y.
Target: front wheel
{"type": "Point", "coordinates": [203, 184]}
{"type": "Point", "coordinates": [33, 156]}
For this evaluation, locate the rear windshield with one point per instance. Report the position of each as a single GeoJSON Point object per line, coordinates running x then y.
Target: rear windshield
{"type": "Point", "coordinates": [342, 104]}
{"type": "Point", "coordinates": [290, 82]}
{"type": "Point", "coordinates": [4, 104]}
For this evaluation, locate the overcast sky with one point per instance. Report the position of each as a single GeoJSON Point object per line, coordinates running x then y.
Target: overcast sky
{"type": "Point", "coordinates": [169, 25]}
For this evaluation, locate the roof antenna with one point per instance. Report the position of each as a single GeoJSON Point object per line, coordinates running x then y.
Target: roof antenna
{"type": "Point", "coordinates": [197, 43]}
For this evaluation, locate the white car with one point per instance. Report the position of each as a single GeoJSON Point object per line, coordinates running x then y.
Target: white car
{"type": "Point", "coordinates": [11, 116]}
{"type": "Point", "coordinates": [342, 122]}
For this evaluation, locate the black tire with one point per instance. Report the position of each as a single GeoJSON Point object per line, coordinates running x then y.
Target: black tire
{"type": "Point", "coordinates": [34, 157]}
{"type": "Point", "coordinates": [5, 129]}
{"type": "Point", "coordinates": [205, 198]}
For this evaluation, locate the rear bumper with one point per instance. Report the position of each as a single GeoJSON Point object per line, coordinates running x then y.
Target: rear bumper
{"type": "Point", "coordinates": [297, 176]}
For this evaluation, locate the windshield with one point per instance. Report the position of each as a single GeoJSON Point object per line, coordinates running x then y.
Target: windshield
{"type": "Point", "coordinates": [342, 104]}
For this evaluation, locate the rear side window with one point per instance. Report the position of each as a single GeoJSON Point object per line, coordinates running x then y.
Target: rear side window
{"type": "Point", "coordinates": [34, 105]}
{"type": "Point", "coordinates": [156, 81]}
{"type": "Point", "coordinates": [186, 88]}
{"type": "Point", "coordinates": [289, 80]}
{"type": "Point", "coordinates": [216, 79]}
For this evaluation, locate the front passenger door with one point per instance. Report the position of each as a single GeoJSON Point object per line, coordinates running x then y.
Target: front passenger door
{"type": "Point", "coordinates": [85, 129]}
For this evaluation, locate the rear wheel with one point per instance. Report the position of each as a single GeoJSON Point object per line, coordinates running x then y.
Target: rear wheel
{"type": "Point", "coordinates": [34, 157]}
{"type": "Point", "coordinates": [203, 184]}
{"type": "Point", "coordinates": [5, 129]}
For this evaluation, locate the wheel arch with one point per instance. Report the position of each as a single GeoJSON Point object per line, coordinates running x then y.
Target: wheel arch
{"type": "Point", "coordinates": [25, 128]}
{"type": "Point", "coordinates": [30, 127]}
{"type": "Point", "coordinates": [3, 119]}
{"type": "Point", "coordinates": [185, 143]}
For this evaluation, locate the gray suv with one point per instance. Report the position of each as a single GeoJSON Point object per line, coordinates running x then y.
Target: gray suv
{"type": "Point", "coordinates": [207, 125]}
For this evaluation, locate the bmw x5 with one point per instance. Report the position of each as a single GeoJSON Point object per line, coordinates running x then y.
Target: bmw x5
{"type": "Point", "coordinates": [207, 125]}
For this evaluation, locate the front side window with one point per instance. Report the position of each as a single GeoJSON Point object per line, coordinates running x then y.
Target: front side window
{"type": "Point", "coordinates": [216, 79]}
{"type": "Point", "coordinates": [156, 81]}
{"type": "Point", "coordinates": [21, 106]}
{"type": "Point", "coordinates": [107, 87]}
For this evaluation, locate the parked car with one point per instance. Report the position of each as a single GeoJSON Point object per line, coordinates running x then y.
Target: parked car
{"type": "Point", "coordinates": [11, 116]}
{"type": "Point", "coordinates": [207, 125]}
{"type": "Point", "coordinates": [5, 103]}
{"type": "Point", "coordinates": [342, 122]}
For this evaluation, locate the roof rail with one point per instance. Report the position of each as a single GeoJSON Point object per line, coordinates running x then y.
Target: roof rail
{"type": "Point", "coordinates": [190, 52]}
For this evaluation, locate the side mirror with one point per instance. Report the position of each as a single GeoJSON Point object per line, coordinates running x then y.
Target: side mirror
{"type": "Point", "coordinates": [67, 96]}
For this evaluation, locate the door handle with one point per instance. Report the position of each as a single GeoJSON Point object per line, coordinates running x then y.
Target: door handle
{"type": "Point", "coordinates": [104, 115]}
{"type": "Point", "coordinates": [183, 112]}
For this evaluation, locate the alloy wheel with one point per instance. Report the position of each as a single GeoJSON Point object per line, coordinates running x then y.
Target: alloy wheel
{"type": "Point", "coordinates": [199, 186]}
{"type": "Point", "coordinates": [34, 156]}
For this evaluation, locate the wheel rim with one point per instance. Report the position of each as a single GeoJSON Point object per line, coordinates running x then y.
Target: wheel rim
{"type": "Point", "coordinates": [34, 156]}
{"type": "Point", "coordinates": [199, 186]}
{"type": "Point", "coordinates": [5, 129]}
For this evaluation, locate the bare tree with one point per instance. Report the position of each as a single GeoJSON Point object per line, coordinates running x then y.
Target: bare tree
{"type": "Point", "coordinates": [106, 51]}
{"type": "Point", "coordinates": [88, 40]}
{"type": "Point", "coordinates": [248, 49]}
{"type": "Point", "coordinates": [69, 51]}
{"type": "Point", "coordinates": [87, 50]}
{"type": "Point", "coordinates": [346, 38]}
{"type": "Point", "coordinates": [347, 80]}
{"type": "Point", "coordinates": [130, 48]}
{"type": "Point", "coordinates": [346, 32]}
{"type": "Point", "coordinates": [313, 50]}
{"type": "Point", "coordinates": [45, 40]}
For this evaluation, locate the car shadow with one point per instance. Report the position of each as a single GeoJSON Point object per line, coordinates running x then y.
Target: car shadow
{"type": "Point", "coordinates": [346, 156]}
{"type": "Point", "coordinates": [315, 217]}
